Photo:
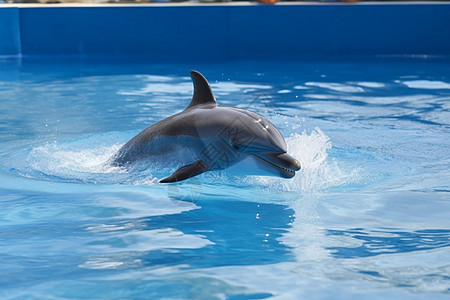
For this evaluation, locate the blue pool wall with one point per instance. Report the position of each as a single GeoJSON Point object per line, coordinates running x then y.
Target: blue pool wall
{"type": "Point", "coordinates": [221, 32]}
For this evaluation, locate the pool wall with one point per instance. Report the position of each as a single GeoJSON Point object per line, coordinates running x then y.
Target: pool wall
{"type": "Point", "coordinates": [222, 32]}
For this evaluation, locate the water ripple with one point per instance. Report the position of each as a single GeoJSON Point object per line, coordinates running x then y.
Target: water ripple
{"type": "Point", "coordinates": [367, 243]}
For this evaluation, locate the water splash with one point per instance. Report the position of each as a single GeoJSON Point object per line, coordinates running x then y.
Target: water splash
{"type": "Point", "coordinates": [319, 171]}
{"type": "Point", "coordinates": [311, 150]}
{"type": "Point", "coordinates": [60, 159]}
{"type": "Point", "coordinates": [79, 160]}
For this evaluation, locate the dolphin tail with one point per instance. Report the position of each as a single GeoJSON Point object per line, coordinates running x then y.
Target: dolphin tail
{"type": "Point", "coordinates": [186, 172]}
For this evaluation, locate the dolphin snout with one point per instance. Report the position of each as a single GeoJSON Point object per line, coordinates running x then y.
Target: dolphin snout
{"type": "Point", "coordinates": [287, 161]}
{"type": "Point", "coordinates": [284, 164]}
{"type": "Point", "coordinates": [296, 165]}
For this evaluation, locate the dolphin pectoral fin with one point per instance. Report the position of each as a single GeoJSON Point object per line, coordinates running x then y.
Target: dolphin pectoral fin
{"type": "Point", "coordinates": [186, 172]}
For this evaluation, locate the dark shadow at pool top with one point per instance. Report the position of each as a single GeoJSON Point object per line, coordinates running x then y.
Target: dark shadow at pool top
{"type": "Point", "coordinates": [226, 31]}
{"type": "Point", "coordinates": [243, 233]}
{"type": "Point", "coordinates": [389, 242]}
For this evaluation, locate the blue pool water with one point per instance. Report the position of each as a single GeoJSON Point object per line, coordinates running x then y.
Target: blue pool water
{"type": "Point", "coordinates": [367, 216]}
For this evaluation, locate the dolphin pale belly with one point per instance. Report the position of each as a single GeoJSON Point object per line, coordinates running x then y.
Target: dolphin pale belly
{"type": "Point", "coordinates": [211, 137]}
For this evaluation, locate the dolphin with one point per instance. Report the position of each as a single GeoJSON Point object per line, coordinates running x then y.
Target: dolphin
{"type": "Point", "coordinates": [207, 136]}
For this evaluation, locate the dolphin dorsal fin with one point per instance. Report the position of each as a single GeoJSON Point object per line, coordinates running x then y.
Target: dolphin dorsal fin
{"type": "Point", "coordinates": [202, 91]}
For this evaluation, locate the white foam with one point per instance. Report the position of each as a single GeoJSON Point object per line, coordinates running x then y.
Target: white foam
{"type": "Point", "coordinates": [370, 84]}
{"type": "Point", "coordinates": [301, 87]}
{"type": "Point", "coordinates": [346, 88]}
{"type": "Point", "coordinates": [425, 84]}
{"type": "Point", "coordinates": [319, 96]}
{"type": "Point", "coordinates": [228, 87]}
{"type": "Point", "coordinates": [180, 88]}
{"type": "Point", "coordinates": [284, 91]}
{"type": "Point", "coordinates": [155, 78]}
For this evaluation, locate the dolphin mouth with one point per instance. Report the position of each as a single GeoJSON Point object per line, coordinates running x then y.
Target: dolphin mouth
{"type": "Point", "coordinates": [285, 164]}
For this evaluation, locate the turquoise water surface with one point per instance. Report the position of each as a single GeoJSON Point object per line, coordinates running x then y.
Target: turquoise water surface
{"type": "Point", "coordinates": [368, 216]}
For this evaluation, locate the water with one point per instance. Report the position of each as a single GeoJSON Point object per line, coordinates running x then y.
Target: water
{"type": "Point", "coordinates": [368, 215]}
